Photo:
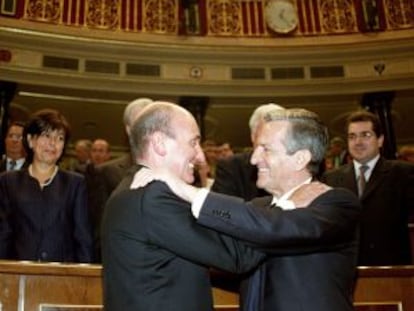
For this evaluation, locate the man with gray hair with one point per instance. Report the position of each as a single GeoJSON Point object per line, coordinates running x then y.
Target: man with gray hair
{"type": "Point", "coordinates": [312, 250]}
{"type": "Point", "coordinates": [236, 175]}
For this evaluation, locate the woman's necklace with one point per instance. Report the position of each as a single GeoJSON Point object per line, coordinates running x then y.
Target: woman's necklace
{"type": "Point", "coordinates": [48, 181]}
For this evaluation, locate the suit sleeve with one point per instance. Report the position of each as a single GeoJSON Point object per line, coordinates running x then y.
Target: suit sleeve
{"type": "Point", "coordinates": [329, 220]}
{"type": "Point", "coordinates": [224, 181]}
{"type": "Point", "coordinates": [170, 225]}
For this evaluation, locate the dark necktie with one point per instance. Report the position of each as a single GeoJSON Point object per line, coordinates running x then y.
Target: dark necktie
{"type": "Point", "coordinates": [361, 179]}
{"type": "Point", "coordinates": [12, 165]}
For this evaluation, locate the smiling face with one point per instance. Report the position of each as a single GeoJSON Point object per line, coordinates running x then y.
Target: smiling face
{"type": "Point", "coordinates": [363, 143]}
{"type": "Point", "coordinates": [48, 146]}
{"type": "Point", "coordinates": [275, 166]}
{"type": "Point", "coordinates": [183, 151]}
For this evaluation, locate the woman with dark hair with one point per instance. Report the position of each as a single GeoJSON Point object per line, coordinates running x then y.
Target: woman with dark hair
{"type": "Point", "coordinates": [43, 209]}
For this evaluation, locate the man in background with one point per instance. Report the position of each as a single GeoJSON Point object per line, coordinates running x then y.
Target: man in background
{"type": "Point", "coordinates": [15, 156]}
{"type": "Point", "coordinates": [82, 155]}
{"type": "Point", "coordinates": [385, 189]}
{"type": "Point", "coordinates": [100, 151]}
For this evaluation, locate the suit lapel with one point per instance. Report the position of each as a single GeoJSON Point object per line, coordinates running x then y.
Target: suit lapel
{"type": "Point", "coordinates": [379, 172]}
{"type": "Point", "coordinates": [349, 179]}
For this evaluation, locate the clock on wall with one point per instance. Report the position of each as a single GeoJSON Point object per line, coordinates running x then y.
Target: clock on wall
{"type": "Point", "coordinates": [281, 16]}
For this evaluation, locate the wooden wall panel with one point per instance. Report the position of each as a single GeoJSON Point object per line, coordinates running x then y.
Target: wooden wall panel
{"type": "Point", "coordinates": [52, 287]}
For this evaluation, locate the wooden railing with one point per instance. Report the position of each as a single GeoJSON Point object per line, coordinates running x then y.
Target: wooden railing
{"type": "Point", "coordinates": [26, 286]}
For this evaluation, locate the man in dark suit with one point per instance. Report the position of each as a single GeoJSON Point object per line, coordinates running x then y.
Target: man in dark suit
{"type": "Point", "coordinates": [387, 197]}
{"type": "Point", "coordinates": [236, 176]}
{"type": "Point", "coordinates": [312, 250]}
{"type": "Point", "coordinates": [155, 257]}
{"type": "Point", "coordinates": [15, 157]}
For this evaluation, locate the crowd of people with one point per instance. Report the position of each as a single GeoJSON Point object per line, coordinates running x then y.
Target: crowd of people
{"type": "Point", "coordinates": [294, 205]}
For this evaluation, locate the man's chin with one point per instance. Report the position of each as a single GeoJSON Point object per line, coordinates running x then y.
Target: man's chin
{"type": "Point", "coordinates": [261, 184]}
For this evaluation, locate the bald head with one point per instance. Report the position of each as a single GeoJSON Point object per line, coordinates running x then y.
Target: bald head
{"type": "Point", "coordinates": [167, 136]}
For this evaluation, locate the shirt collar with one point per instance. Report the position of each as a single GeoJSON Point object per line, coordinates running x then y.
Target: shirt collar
{"type": "Point", "coordinates": [371, 164]}
{"type": "Point", "coordinates": [281, 201]}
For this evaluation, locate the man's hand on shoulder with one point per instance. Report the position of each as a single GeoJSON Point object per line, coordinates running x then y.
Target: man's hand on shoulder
{"type": "Point", "coordinates": [304, 195]}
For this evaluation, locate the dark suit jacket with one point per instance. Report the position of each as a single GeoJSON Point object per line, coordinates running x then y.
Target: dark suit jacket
{"type": "Point", "coordinates": [102, 180]}
{"type": "Point", "coordinates": [155, 256]}
{"type": "Point", "coordinates": [386, 202]}
{"type": "Point", "coordinates": [49, 224]}
{"type": "Point", "coordinates": [236, 176]}
{"type": "Point", "coordinates": [313, 250]}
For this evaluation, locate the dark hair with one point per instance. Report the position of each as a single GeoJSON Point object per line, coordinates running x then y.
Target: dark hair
{"type": "Point", "coordinates": [365, 116]}
{"type": "Point", "coordinates": [43, 121]}
{"type": "Point", "coordinates": [15, 123]}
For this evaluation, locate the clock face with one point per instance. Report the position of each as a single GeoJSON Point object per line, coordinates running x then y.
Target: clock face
{"type": "Point", "coordinates": [281, 16]}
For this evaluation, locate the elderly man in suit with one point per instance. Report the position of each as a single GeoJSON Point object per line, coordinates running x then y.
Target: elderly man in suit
{"type": "Point", "coordinates": [154, 255]}
{"type": "Point", "coordinates": [386, 191]}
{"type": "Point", "coordinates": [312, 250]}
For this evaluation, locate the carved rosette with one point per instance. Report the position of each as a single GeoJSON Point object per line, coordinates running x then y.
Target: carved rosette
{"type": "Point", "coordinates": [399, 13]}
{"type": "Point", "coordinates": [43, 10]}
{"type": "Point", "coordinates": [224, 17]}
{"type": "Point", "coordinates": [160, 16]}
{"type": "Point", "coordinates": [337, 16]}
{"type": "Point", "coordinates": [102, 14]}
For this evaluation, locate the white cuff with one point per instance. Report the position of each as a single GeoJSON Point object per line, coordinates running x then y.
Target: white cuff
{"type": "Point", "coordinates": [199, 201]}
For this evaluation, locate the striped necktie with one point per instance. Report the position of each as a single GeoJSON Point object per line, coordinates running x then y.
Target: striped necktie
{"type": "Point", "coordinates": [361, 179]}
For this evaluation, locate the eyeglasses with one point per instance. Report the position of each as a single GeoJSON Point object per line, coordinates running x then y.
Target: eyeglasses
{"type": "Point", "coordinates": [366, 135]}
{"type": "Point", "coordinates": [14, 136]}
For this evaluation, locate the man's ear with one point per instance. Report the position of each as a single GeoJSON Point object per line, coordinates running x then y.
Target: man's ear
{"type": "Point", "coordinates": [302, 158]}
{"type": "Point", "coordinates": [381, 141]}
{"type": "Point", "coordinates": [158, 143]}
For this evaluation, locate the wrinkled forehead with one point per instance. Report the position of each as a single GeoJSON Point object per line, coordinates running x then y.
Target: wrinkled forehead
{"type": "Point", "coordinates": [272, 130]}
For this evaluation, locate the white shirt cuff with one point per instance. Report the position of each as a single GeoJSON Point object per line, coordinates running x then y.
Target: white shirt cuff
{"type": "Point", "coordinates": [199, 201]}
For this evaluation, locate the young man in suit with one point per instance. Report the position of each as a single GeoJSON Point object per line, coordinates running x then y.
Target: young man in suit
{"type": "Point", "coordinates": [312, 251]}
{"type": "Point", "coordinates": [155, 257]}
{"type": "Point", "coordinates": [388, 195]}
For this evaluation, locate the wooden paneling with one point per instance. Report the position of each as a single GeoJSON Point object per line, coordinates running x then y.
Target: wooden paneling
{"type": "Point", "coordinates": [63, 287]}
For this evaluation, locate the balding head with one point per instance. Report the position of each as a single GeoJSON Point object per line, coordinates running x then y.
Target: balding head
{"type": "Point", "coordinates": [167, 136]}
